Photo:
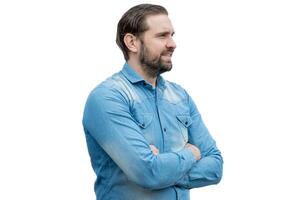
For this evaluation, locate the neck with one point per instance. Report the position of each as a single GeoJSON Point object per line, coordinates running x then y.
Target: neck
{"type": "Point", "coordinates": [138, 68]}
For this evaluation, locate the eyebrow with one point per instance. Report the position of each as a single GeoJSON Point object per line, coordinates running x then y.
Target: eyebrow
{"type": "Point", "coordinates": [165, 33]}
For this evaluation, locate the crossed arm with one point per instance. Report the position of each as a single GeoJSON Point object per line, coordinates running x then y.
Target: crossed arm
{"type": "Point", "coordinates": [205, 172]}
{"type": "Point", "coordinates": [108, 119]}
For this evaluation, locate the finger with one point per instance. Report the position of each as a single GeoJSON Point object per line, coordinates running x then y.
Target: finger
{"type": "Point", "coordinates": [154, 150]}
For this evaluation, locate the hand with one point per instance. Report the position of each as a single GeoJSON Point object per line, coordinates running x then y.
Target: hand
{"type": "Point", "coordinates": [194, 150]}
{"type": "Point", "coordinates": [154, 150]}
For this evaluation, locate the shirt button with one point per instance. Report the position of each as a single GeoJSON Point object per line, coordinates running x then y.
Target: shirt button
{"type": "Point", "coordinates": [165, 129]}
{"type": "Point", "coordinates": [143, 125]}
{"type": "Point", "coordinates": [186, 123]}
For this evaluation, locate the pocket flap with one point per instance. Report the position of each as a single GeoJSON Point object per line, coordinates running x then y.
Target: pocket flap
{"type": "Point", "coordinates": [186, 120]}
{"type": "Point", "coordinates": [144, 119]}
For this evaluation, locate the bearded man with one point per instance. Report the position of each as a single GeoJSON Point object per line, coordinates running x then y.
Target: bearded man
{"type": "Point", "coordinates": [145, 136]}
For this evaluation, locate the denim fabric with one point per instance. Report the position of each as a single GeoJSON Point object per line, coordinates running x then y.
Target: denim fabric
{"type": "Point", "coordinates": [123, 116]}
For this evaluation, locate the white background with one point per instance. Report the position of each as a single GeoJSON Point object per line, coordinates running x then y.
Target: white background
{"type": "Point", "coordinates": [239, 60]}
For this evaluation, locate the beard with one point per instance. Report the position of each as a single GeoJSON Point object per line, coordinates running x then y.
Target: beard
{"type": "Point", "coordinates": [154, 65]}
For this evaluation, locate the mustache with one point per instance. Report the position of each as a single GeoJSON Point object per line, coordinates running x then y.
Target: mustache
{"type": "Point", "coordinates": [169, 51]}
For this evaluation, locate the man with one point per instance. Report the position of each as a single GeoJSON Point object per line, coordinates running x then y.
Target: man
{"type": "Point", "coordinates": [145, 136]}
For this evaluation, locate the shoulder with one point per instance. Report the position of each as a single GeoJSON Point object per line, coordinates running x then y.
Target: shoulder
{"type": "Point", "coordinates": [174, 92]}
{"type": "Point", "coordinates": [108, 89]}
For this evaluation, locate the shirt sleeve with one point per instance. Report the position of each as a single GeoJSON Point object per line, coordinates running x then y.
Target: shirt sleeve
{"type": "Point", "coordinates": [208, 170]}
{"type": "Point", "coordinates": [108, 119]}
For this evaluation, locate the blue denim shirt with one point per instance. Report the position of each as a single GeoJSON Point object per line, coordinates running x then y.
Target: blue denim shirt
{"type": "Point", "coordinates": [123, 116]}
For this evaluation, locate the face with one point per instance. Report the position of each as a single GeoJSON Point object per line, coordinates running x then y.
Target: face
{"type": "Point", "coordinates": [157, 45]}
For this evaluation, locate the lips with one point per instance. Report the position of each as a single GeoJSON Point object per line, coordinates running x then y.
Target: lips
{"type": "Point", "coordinates": [168, 54]}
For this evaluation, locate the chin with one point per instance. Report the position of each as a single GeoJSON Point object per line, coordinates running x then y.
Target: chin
{"type": "Point", "coordinates": [166, 68]}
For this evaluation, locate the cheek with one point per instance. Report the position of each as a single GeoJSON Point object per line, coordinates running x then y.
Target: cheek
{"type": "Point", "coordinates": [157, 47]}
{"type": "Point", "coordinates": [158, 51]}
{"type": "Point", "coordinates": [154, 52]}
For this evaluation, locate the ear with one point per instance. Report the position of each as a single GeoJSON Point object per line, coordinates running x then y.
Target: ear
{"type": "Point", "coordinates": [131, 42]}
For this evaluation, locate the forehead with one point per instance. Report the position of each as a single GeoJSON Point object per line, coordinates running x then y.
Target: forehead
{"type": "Point", "coordinates": [159, 23]}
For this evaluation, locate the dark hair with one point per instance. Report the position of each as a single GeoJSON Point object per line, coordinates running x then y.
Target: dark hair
{"type": "Point", "coordinates": [134, 21]}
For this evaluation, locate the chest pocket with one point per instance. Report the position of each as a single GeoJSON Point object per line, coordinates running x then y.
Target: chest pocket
{"type": "Point", "coordinates": [184, 121]}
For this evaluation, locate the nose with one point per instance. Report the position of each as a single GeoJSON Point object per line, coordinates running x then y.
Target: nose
{"type": "Point", "coordinates": [171, 43]}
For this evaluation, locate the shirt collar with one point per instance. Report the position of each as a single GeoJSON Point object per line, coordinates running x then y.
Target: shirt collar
{"type": "Point", "coordinates": [134, 77]}
{"type": "Point", "coordinates": [130, 74]}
